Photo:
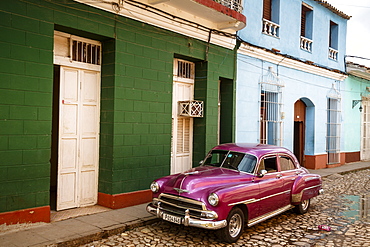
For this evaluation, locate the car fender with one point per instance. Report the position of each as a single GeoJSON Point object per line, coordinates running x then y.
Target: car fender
{"type": "Point", "coordinates": [305, 187]}
{"type": "Point", "coordinates": [231, 196]}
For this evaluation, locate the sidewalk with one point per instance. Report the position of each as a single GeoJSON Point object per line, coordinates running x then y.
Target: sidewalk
{"type": "Point", "coordinates": [84, 229]}
{"type": "Point", "coordinates": [355, 166]}
{"type": "Point", "coordinates": [79, 230]}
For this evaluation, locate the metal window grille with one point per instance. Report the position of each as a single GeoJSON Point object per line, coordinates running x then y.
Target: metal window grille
{"type": "Point", "coordinates": [191, 108]}
{"type": "Point", "coordinates": [185, 69]}
{"type": "Point", "coordinates": [271, 110]}
{"type": "Point", "coordinates": [236, 5]}
{"type": "Point", "coordinates": [333, 131]}
{"type": "Point", "coordinates": [85, 52]}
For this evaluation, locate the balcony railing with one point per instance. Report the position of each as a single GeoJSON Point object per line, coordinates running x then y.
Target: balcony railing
{"type": "Point", "coordinates": [333, 54]}
{"type": "Point", "coordinates": [236, 5]}
{"type": "Point", "coordinates": [306, 44]}
{"type": "Point", "coordinates": [270, 28]}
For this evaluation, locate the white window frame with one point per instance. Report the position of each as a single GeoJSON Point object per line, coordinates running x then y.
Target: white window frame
{"type": "Point", "coordinates": [271, 109]}
{"type": "Point", "coordinates": [333, 130]}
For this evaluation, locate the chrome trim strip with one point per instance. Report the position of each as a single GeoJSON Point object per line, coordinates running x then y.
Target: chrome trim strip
{"type": "Point", "coordinates": [311, 178]}
{"type": "Point", "coordinates": [312, 187]}
{"type": "Point", "coordinates": [269, 215]}
{"type": "Point", "coordinates": [277, 194]}
{"type": "Point", "coordinates": [253, 200]}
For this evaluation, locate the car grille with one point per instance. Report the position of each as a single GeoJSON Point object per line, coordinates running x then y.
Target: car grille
{"type": "Point", "coordinates": [178, 205]}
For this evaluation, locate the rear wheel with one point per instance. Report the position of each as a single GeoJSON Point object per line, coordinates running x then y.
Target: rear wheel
{"type": "Point", "coordinates": [234, 228]}
{"type": "Point", "coordinates": [302, 207]}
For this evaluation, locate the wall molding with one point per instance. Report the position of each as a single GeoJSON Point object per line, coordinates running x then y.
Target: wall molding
{"type": "Point", "coordinates": [282, 60]}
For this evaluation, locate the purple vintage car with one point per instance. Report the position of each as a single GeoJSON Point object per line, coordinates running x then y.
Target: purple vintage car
{"type": "Point", "coordinates": [236, 184]}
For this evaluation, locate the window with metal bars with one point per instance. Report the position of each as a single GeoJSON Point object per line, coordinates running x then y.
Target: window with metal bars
{"type": "Point", "coordinates": [333, 131]}
{"type": "Point", "coordinates": [85, 52]}
{"type": "Point", "coordinates": [271, 109]}
{"type": "Point", "coordinates": [270, 119]}
{"type": "Point", "coordinates": [185, 69]}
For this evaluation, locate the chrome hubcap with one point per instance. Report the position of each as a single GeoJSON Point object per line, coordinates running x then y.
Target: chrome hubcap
{"type": "Point", "coordinates": [235, 225]}
{"type": "Point", "coordinates": [305, 204]}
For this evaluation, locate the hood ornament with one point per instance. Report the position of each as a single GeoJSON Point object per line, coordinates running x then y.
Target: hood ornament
{"type": "Point", "coordinates": [181, 190]}
{"type": "Point", "coordinates": [191, 173]}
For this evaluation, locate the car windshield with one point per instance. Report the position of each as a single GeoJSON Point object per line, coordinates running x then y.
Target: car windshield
{"type": "Point", "coordinates": [232, 160]}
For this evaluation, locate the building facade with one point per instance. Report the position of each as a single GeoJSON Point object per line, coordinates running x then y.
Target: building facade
{"type": "Point", "coordinates": [356, 109]}
{"type": "Point", "coordinates": [98, 98]}
{"type": "Point", "coordinates": [290, 76]}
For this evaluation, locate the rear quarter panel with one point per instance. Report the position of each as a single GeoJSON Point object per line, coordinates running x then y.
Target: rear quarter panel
{"type": "Point", "coordinates": [305, 187]}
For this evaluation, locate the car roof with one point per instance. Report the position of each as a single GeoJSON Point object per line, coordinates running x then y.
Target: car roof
{"type": "Point", "coordinates": [252, 148]}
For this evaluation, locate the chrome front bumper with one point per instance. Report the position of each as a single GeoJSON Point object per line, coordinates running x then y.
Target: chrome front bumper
{"type": "Point", "coordinates": [187, 221]}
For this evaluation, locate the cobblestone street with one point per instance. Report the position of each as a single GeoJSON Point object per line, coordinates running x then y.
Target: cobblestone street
{"type": "Point", "coordinates": [344, 207]}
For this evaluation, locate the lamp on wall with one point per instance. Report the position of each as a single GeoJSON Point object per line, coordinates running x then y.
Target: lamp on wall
{"type": "Point", "coordinates": [355, 102]}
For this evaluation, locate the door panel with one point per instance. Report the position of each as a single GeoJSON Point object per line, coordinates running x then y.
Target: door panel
{"type": "Point", "coordinates": [182, 127]}
{"type": "Point", "coordinates": [271, 189]}
{"type": "Point", "coordinates": [365, 143]}
{"type": "Point", "coordinates": [270, 196]}
{"type": "Point", "coordinates": [67, 198]}
{"type": "Point", "coordinates": [78, 138]}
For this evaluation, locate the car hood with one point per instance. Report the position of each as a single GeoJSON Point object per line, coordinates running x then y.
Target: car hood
{"type": "Point", "coordinates": [200, 181]}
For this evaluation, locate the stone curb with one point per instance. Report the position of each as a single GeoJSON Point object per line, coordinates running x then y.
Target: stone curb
{"type": "Point", "coordinates": [106, 232]}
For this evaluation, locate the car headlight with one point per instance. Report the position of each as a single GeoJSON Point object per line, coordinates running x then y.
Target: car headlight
{"type": "Point", "coordinates": [154, 187]}
{"type": "Point", "coordinates": [213, 199]}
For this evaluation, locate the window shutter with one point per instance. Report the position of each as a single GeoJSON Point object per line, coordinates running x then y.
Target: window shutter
{"type": "Point", "coordinates": [267, 9]}
{"type": "Point", "coordinates": [303, 22]}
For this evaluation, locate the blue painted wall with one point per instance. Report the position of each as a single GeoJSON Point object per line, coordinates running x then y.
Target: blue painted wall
{"type": "Point", "coordinates": [313, 89]}
{"type": "Point", "coordinates": [290, 31]}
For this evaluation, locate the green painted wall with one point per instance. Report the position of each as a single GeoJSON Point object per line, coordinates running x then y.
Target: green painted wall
{"type": "Point", "coordinates": [351, 130]}
{"type": "Point", "coordinates": [136, 95]}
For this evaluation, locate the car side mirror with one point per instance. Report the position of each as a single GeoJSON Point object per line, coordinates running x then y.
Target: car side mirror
{"type": "Point", "coordinates": [262, 173]}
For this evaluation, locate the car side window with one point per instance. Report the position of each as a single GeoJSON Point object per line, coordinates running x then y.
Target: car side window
{"type": "Point", "coordinates": [247, 164]}
{"type": "Point", "coordinates": [286, 163]}
{"type": "Point", "coordinates": [269, 164]}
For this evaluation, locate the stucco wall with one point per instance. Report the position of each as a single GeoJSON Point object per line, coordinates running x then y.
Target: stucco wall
{"type": "Point", "coordinates": [297, 85]}
{"type": "Point", "coordinates": [290, 31]}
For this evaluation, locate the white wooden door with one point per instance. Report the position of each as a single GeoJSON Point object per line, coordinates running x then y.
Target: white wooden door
{"type": "Point", "coordinates": [78, 138]}
{"type": "Point", "coordinates": [182, 127]}
{"type": "Point", "coordinates": [365, 139]}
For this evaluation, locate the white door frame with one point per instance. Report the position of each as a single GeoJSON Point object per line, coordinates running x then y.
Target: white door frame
{"type": "Point", "coordinates": [365, 128]}
{"type": "Point", "coordinates": [182, 127]}
{"type": "Point", "coordinates": [79, 120]}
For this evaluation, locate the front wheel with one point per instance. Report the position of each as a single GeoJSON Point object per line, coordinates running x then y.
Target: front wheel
{"type": "Point", "coordinates": [302, 207]}
{"type": "Point", "coordinates": [234, 228]}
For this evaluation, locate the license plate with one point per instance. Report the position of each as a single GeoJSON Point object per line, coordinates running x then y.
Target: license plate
{"type": "Point", "coordinates": [171, 218]}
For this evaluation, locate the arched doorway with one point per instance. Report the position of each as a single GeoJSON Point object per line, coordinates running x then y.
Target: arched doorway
{"type": "Point", "coordinates": [299, 130]}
